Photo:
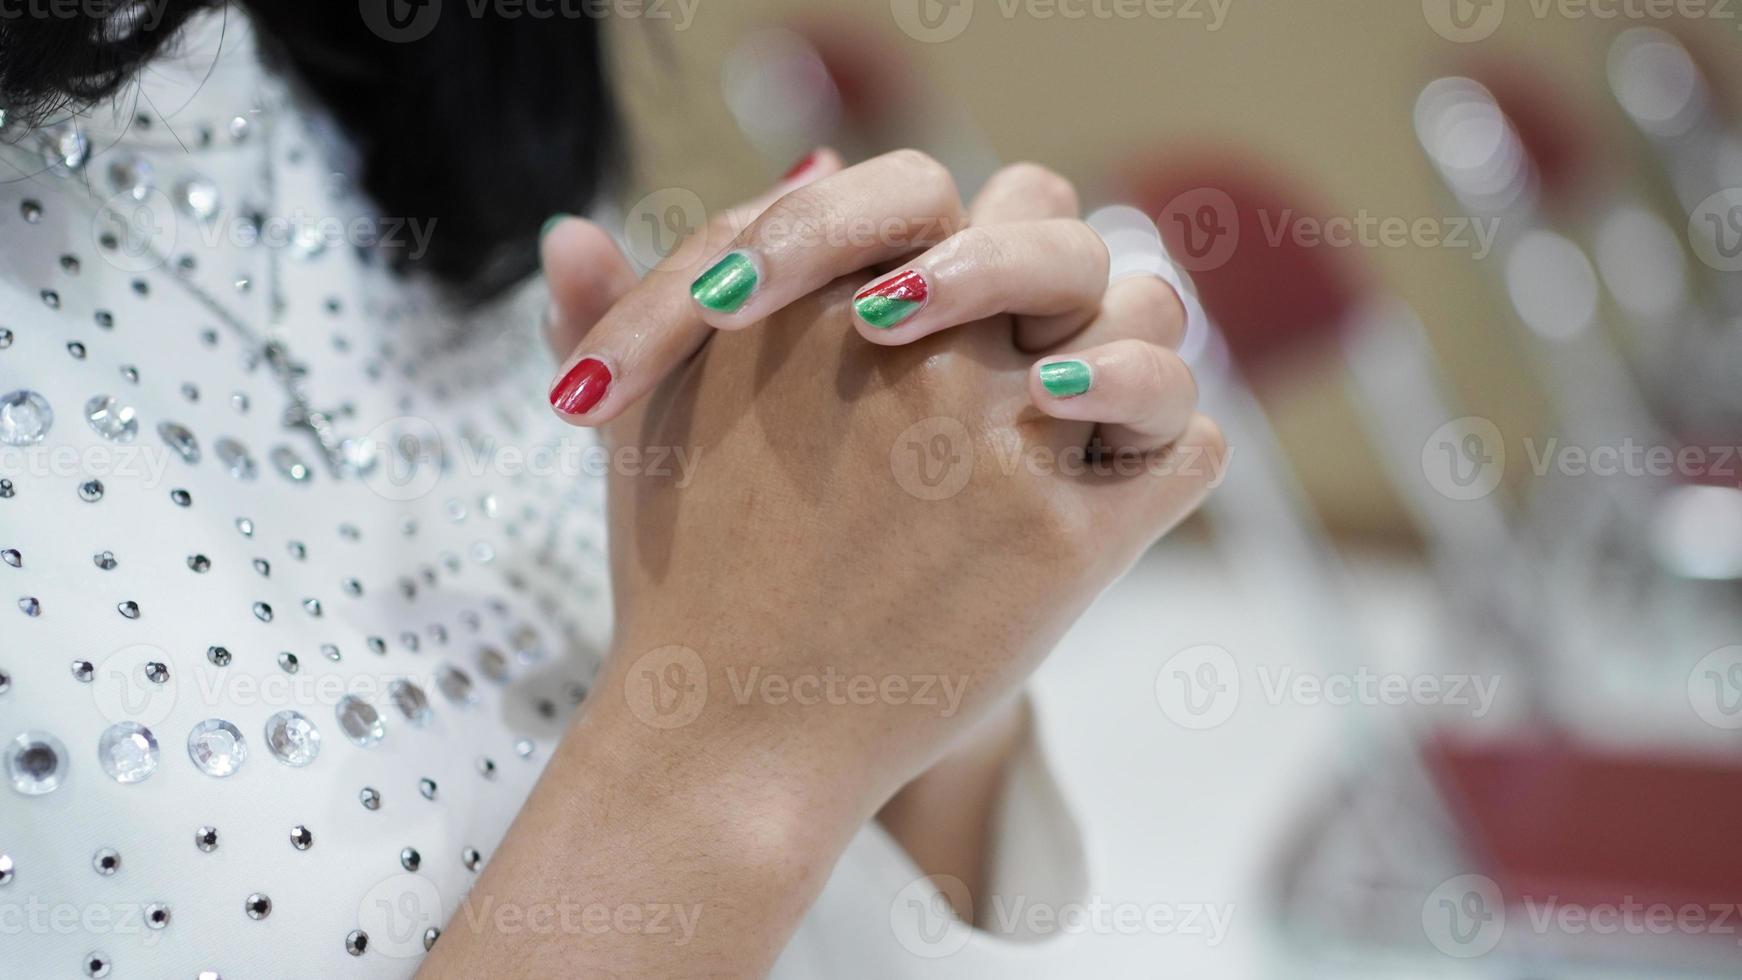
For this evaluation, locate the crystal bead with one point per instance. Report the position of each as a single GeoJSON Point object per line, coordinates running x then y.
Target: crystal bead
{"type": "Point", "coordinates": [290, 465]}
{"type": "Point", "coordinates": [430, 936]}
{"type": "Point", "coordinates": [104, 560]}
{"type": "Point", "coordinates": [312, 607]}
{"type": "Point", "coordinates": [455, 685]}
{"type": "Point", "coordinates": [357, 942]}
{"type": "Point", "coordinates": [111, 419]}
{"type": "Point", "coordinates": [471, 858]}
{"type": "Point", "coordinates": [25, 417]}
{"type": "Point", "coordinates": [257, 906]}
{"type": "Point", "coordinates": [206, 839]}
{"type": "Point", "coordinates": [5, 337]}
{"type": "Point", "coordinates": [133, 176]}
{"type": "Point", "coordinates": [36, 762]}
{"type": "Point", "coordinates": [292, 739]}
{"type": "Point", "coordinates": [219, 656]}
{"type": "Point", "coordinates": [106, 861]}
{"type": "Point", "coordinates": [301, 838]}
{"type": "Point", "coordinates": [13, 557]}
{"type": "Point", "coordinates": [30, 605]}
{"type": "Point", "coordinates": [157, 672]}
{"type": "Point", "coordinates": [262, 566]}
{"type": "Point", "coordinates": [359, 720]}
{"type": "Point", "coordinates": [178, 438]}
{"type": "Point", "coordinates": [31, 211]}
{"type": "Point", "coordinates": [288, 663]}
{"type": "Point", "coordinates": [524, 748]}
{"type": "Point", "coordinates": [128, 608]}
{"type": "Point", "coordinates": [370, 798]}
{"type": "Point", "coordinates": [198, 197]}
{"type": "Point", "coordinates": [96, 964]}
{"type": "Point", "coordinates": [427, 787]}
{"type": "Point", "coordinates": [84, 671]}
{"type": "Point", "coordinates": [181, 498]}
{"type": "Point", "coordinates": [493, 664]}
{"type": "Point", "coordinates": [157, 915]}
{"type": "Point", "coordinates": [65, 147]}
{"type": "Point", "coordinates": [263, 612]}
{"type": "Point", "coordinates": [234, 456]}
{"type": "Point", "coordinates": [245, 526]}
{"type": "Point", "coordinates": [410, 700]}
{"type": "Point", "coordinates": [217, 747]}
{"type": "Point", "coordinates": [91, 491]}
{"type": "Point", "coordinates": [128, 752]}
{"type": "Point", "coordinates": [199, 563]}
{"type": "Point", "coordinates": [7, 869]}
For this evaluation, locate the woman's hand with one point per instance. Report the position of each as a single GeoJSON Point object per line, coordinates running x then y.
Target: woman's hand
{"type": "Point", "coordinates": [873, 548]}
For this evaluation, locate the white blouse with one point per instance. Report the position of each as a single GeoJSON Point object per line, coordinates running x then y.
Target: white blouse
{"type": "Point", "coordinates": [301, 580]}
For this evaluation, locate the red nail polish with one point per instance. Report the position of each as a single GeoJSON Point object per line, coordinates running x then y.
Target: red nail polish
{"type": "Point", "coordinates": [582, 388]}
{"type": "Point", "coordinates": [805, 162]}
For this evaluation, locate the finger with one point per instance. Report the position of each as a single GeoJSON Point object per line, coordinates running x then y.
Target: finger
{"type": "Point", "coordinates": [1054, 268]}
{"type": "Point", "coordinates": [637, 339]}
{"type": "Point", "coordinates": [1144, 307]}
{"type": "Point", "coordinates": [586, 273]}
{"type": "Point", "coordinates": [878, 210]}
{"type": "Point", "coordinates": [1023, 192]}
{"type": "Point", "coordinates": [1142, 394]}
{"type": "Point", "coordinates": [1166, 485]}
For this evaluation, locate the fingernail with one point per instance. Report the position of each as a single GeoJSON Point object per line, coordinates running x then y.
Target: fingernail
{"type": "Point", "coordinates": [582, 388]}
{"type": "Point", "coordinates": [797, 170]}
{"type": "Point", "coordinates": [725, 287]}
{"type": "Point", "coordinates": [892, 301]}
{"type": "Point", "coordinates": [1065, 379]}
{"type": "Point", "coordinates": [551, 222]}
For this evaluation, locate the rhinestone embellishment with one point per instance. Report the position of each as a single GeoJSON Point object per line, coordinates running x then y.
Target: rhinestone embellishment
{"type": "Point", "coordinates": [111, 419]}
{"type": "Point", "coordinates": [25, 417]}
{"type": "Point", "coordinates": [128, 752]}
{"type": "Point", "coordinates": [292, 739]}
{"type": "Point", "coordinates": [216, 746]}
{"type": "Point", "coordinates": [36, 762]}
{"type": "Point", "coordinates": [359, 720]}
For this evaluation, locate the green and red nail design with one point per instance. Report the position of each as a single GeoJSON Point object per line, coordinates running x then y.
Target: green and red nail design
{"type": "Point", "coordinates": [893, 301]}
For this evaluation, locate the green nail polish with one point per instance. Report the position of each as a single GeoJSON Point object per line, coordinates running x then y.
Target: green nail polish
{"type": "Point", "coordinates": [1065, 379]}
{"type": "Point", "coordinates": [728, 285]}
{"type": "Point", "coordinates": [549, 223]}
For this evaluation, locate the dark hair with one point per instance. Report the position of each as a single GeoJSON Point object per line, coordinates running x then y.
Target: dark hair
{"type": "Point", "coordinates": [487, 124]}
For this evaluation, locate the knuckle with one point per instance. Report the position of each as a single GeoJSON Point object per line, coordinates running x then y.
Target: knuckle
{"type": "Point", "coordinates": [1041, 184]}
{"type": "Point", "coordinates": [804, 217]}
{"type": "Point", "coordinates": [1156, 307]}
{"type": "Point", "coordinates": [1208, 436]}
{"type": "Point", "coordinates": [916, 164]}
{"type": "Point", "coordinates": [978, 245]}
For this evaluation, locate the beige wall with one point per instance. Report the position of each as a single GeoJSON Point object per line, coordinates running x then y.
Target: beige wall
{"type": "Point", "coordinates": [1324, 89]}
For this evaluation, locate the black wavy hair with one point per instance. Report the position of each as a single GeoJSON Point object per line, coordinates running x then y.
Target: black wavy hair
{"type": "Point", "coordinates": [486, 122]}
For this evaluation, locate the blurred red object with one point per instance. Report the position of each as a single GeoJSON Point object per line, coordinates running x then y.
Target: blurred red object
{"type": "Point", "coordinates": [1246, 239]}
{"type": "Point", "coordinates": [1556, 821]}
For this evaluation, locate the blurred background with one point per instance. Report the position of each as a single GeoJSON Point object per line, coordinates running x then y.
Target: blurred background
{"type": "Point", "coordinates": [1447, 679]}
